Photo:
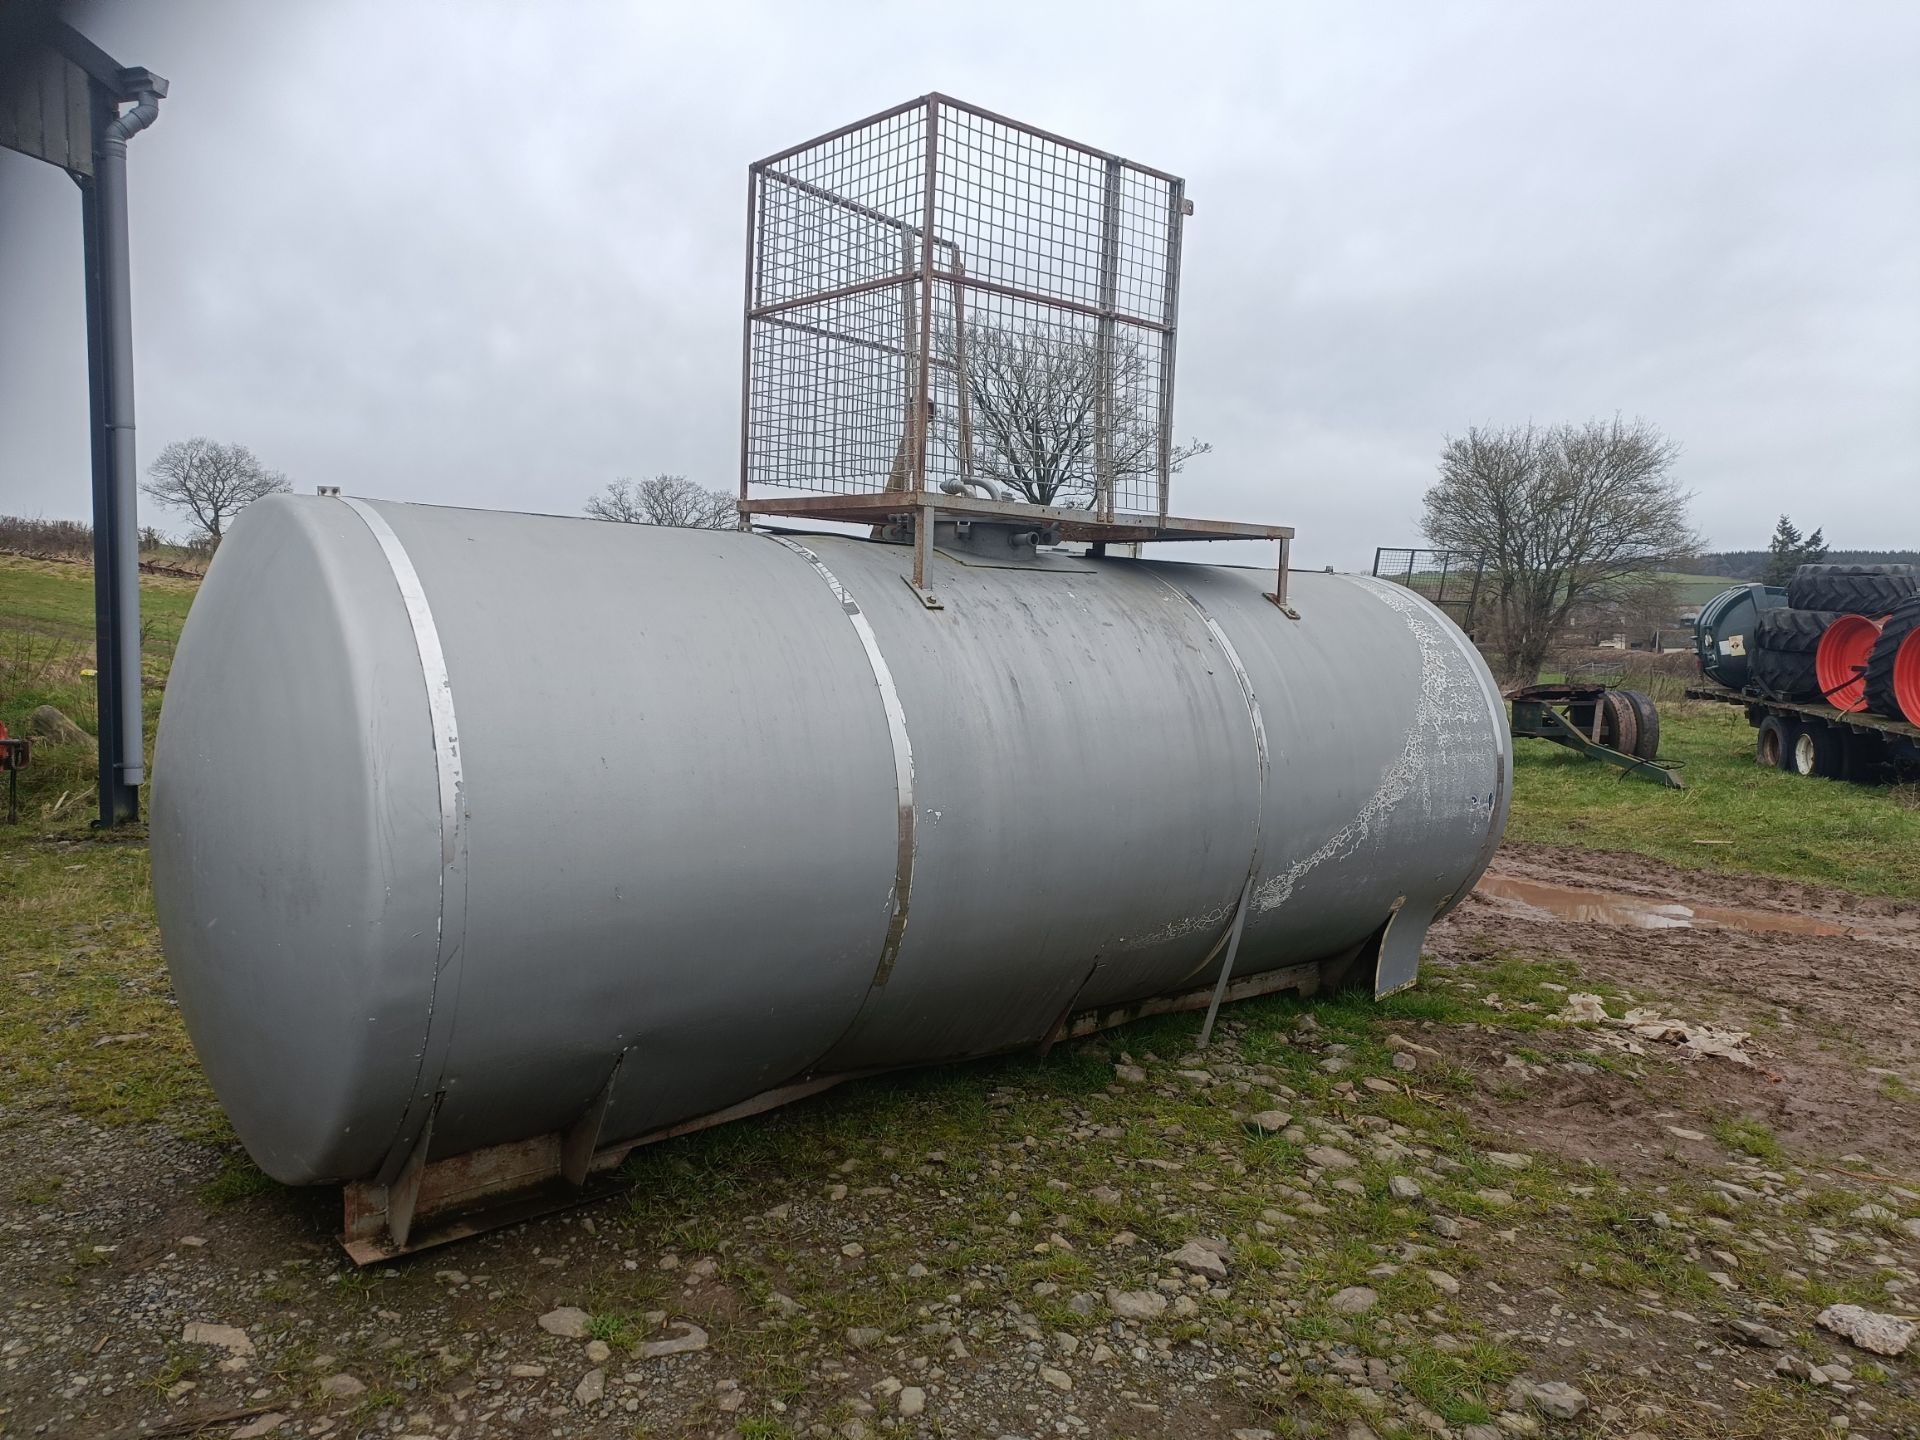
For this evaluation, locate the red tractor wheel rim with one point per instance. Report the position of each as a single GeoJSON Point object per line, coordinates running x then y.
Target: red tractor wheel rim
{"type": "Point", "coordinates": [1906, 678]}
{"type": "Point", "coordinates": [1841, 661]}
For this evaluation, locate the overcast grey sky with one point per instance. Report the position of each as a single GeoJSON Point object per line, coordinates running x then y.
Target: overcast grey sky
{"type": "Point", "coordinates": [489, 254]}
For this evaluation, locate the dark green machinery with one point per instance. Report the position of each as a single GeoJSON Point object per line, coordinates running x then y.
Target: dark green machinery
{"type": "Point", "coordinates": [1616, 727]}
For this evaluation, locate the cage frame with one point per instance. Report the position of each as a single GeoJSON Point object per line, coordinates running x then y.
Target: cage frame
{"type": "Point", "coordinates": [916, 506]}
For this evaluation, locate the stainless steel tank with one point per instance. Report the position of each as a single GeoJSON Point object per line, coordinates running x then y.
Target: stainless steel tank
{"type": "Point", "coordinates": [460, 813]}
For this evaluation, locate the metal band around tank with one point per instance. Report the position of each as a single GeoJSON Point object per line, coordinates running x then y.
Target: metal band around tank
{"type": "Point", "coordinates": [433, 667]}
{"type": "Point", "coordinates": [902, 756]}
{"type": "Point", "coordinates": [1257, 721]}
{"type": "Point", "coordinates": [451, 925]}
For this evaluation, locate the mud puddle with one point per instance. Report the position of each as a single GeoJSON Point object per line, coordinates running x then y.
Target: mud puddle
{"type": "Point", "coordinates": [1608, 907]}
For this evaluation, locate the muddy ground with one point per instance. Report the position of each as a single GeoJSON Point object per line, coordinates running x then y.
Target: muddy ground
{"type": "Point", "coordinates": [1449, 1215]}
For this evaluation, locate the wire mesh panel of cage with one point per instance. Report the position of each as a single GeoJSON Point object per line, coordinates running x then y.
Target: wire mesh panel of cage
{"type": "Point", "coordinates": [940, 298]}
{"type": "Point", "coordinates": [1449, 578]}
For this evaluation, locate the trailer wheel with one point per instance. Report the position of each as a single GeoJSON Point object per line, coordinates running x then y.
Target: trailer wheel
{"type": "Point", "coordinates": [1817, 750]}
{"type": "Point", "coordinates": [1646, 715]}
{"type": "Point", "coordinates": [1619, 723]}
{"type": "Point", "coordinates": [1773, 747]}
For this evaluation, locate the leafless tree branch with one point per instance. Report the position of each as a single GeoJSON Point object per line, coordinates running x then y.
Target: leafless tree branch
{"type": "Point", "coordinates": [663, 500]}
{"type": "Point", "coordinates": [1561, 514]}
{"type": "Point", "coordinates": [1034, 391]}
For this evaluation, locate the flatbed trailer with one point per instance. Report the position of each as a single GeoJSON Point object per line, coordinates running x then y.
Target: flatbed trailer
{"type": "Point", "coordinates": [1814, 739]}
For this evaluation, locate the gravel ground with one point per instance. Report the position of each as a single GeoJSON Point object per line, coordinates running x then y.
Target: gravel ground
{"type": "Point", "coordinates": [1448, 1215]}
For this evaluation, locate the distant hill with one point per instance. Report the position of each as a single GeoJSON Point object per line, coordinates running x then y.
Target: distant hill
{"type": "Point", "coordinates": [1747, 564]}
{"type": "Point", "coordinates": [1691, 590]}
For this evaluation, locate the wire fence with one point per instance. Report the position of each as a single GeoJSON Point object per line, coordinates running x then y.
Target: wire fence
{"type": "Point", "coordinates": [942, 298]}
{"type": "Point", "coordinates": [1451, 579]}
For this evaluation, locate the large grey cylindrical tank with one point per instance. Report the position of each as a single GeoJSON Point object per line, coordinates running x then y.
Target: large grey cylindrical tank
{"type": "Point", "coordinates": [467, 807]}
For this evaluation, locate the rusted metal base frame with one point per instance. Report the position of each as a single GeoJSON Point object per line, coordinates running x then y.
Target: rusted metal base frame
{"type": "Point", "coordinates": [875, 506]}
{"type": "Point", "coordinates": [435, 1202]}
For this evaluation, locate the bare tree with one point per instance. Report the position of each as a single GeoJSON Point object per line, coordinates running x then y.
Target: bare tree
{"type": "Point", "coordinates": [664, 500]}
{"type": "Point", "coordinates": [211, 482]}
{"type": "Point", "coordinates": [1034, 395]}
{"type": "Point", "coordinates": [1560, 514]}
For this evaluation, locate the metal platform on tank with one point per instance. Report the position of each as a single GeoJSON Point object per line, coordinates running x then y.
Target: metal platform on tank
{"type": "Point", "coordinates": [873, 507]}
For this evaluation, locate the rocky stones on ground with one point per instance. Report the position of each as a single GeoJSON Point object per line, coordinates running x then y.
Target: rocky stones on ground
{"type": "Point", "coordinates": [1508, 1159]}
{"type": "Point", "coordinates": [1270, 1122]}
{"type": "Point", "coordinates": [690, 1338]}
{"type": "Point", "coordinates": [1058, 1379]}
{"type": "Point", "coordinates": [1754, 1333]}
{"type": "Point", "coordinates": [1329, 1157]}
{"type": "Point", "coordinates": [342, 1387]}
{"type": "Point", "coordinates": [230, 1338]}
{"type": "Point", "coordinates": [1137, 1304]}
{"type": "Point", "coordinates": [1796, 1367]}
{"type": "Point", "coordinates": [1404, 1187]}
{"type": "Point", "coordinates": [55, 727]}
{"type": "Point", "coordinates": [912, 1401]}
{"type": "Point", "coordinates": [592, 1386]}
{"type": "Point", "coordinates": [1202, 1256]}
{"type": "Point", "coordinates": [569, 1322]}
{"type": "Point", "coordinates": [1132, 1074]}
{"type": "Point", "coordinates": [1554, 1399]}
{"type": "Point", "coordinates": [1354, 1300]}
{"type": "Point", "coordinates": [598, 1352]}
{"type": "Point", "coordinates": [1869, 1329]}
{"type": "Point", "coordinates": [260, 1425]}
{"type": "Point", "coordinates": [864, 1337]}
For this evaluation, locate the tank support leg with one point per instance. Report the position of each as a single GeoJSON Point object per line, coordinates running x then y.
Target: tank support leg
{"type": "Point", "coordinates": [583, 1138]}
{"type": "Point", "coordinates": [1226, 963]}
{"type": "Point", "coordinates": [1279, 594]}
{"type": "Point", "coordinates": [923, 557]}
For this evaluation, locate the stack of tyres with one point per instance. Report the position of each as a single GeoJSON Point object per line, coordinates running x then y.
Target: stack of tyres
{"type": "Point", "coordinates": [1893, 667]}
{"type": "Point", "coordinates": [1787, 640]}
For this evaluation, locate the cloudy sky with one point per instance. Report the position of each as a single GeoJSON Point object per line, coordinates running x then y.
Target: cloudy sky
{"type": "Point", "coordinates": [489, 254]}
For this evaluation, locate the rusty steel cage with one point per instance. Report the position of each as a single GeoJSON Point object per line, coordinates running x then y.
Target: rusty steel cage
{"type": "Point", "coordinates": [940, 298]}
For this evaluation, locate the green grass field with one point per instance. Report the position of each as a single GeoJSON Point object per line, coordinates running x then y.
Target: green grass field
{"type": "Point", "coordinates": [46, 658]}
{"type": "Point", "coordinates": [1734, 815]}
{"type": "Point", "coordinates": [1697, 589]}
